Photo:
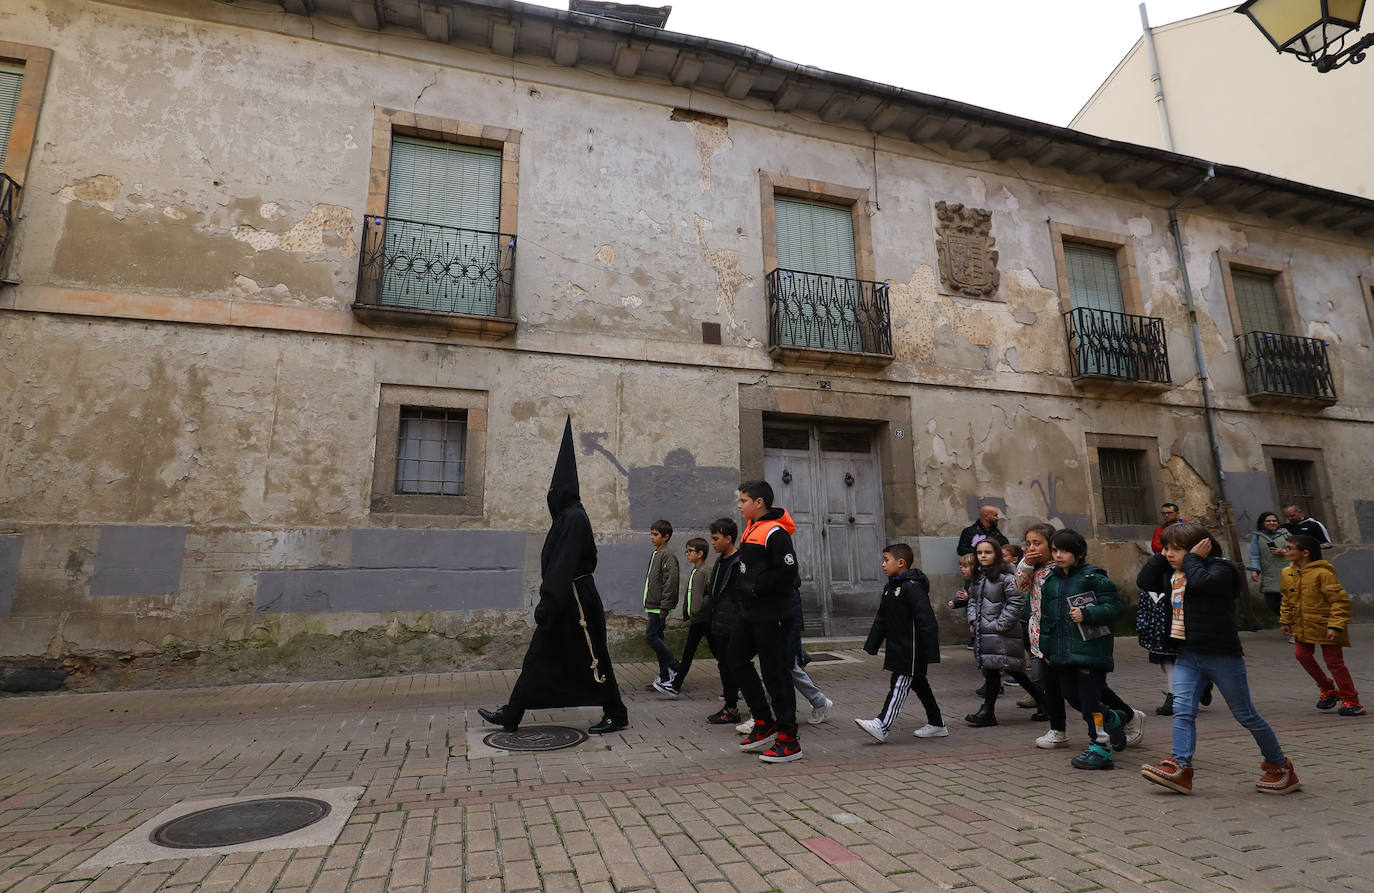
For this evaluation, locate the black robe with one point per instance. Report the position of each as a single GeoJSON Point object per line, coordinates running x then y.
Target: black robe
{"type": "Point", "coordinates": [558, 669]}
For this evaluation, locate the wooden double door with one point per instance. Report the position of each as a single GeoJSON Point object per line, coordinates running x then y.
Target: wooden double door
{"type": "Point", "coordinates": [829, 479]}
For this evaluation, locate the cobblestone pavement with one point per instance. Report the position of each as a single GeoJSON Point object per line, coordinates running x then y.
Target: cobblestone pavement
{"type": "Point", "coordinates": [672, 805]}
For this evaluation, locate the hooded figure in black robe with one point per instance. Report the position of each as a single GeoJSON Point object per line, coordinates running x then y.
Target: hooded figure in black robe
{"type": "Point", "coordinates": [567, 664]}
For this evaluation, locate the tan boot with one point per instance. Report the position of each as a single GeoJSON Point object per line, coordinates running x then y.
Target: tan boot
{"type": "Point", "coordinates": [1170, 774]}
{"type": "Point", "coordinates": [1278, 779]}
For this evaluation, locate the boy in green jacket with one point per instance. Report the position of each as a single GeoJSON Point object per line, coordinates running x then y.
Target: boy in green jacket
{"type": "Point", "coordinates": [696, 610]}
{"type": "Point", "coordinates": [1078, 604]}
{"type": "Point", "coordinates": [660, 597]}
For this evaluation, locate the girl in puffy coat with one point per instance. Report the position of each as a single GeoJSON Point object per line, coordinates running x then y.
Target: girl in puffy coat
{"type": "Point", "coordinates": [1316, 611]}
{"type": "Point", "coordinates": [995, 614]}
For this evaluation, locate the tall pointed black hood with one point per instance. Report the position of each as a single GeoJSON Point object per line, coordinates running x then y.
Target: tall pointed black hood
{"type": "Point", "coordinates": [563, 489]}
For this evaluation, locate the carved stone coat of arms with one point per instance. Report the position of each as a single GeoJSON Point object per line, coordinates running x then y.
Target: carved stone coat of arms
{"type": "Point", "coordinates": [968, 262]}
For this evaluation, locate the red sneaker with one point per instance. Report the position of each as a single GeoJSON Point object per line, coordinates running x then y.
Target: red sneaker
{"type": "Point", "coordinates": [759, 737]}
{"type": "Point", "coordinates": [784, 750]}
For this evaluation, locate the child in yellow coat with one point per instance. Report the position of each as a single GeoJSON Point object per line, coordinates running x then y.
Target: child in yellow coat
{"type": "Point", "coordinates": [1316, 611]}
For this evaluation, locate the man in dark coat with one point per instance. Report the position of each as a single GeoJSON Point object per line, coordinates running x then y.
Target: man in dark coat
{"type": "Point", "coordinates": [567, 664]}
{"type": "Point", "coordinates": [985, 528]}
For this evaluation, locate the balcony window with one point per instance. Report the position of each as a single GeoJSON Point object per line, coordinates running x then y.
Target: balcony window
{"type": "Point", "coordinates": [1287, 367]}
{"type": "Point", "coordinates": [812, 312]}
{"type": "Point", "coordinates": [438, 239]}
{"type": "Point", "coordinates": [1107, 344]}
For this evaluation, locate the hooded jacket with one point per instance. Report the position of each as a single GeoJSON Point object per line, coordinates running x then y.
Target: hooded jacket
{"type": "Point", "coordinates": [906, 622]}
{"type": "Point", "coordinates": [768, 567]}
{"type": "Point", "coordinates": [995, 611]}
{"type": "Point", "coordinates": [1060, 640]}
{"type": "Point", "coordinates": [1209, 605]}
{"type": "Point", "coordinates": [1313, 602]}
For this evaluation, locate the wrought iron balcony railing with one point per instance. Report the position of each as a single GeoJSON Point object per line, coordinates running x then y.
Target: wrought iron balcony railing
{"type": "Point", "coordinates": [1107, 344]}
{"type": "Point", "coordinates": [9, 191]}
{"type": "Point", "coordinates": [1287, 366]}
{"type": "Point", "coordinates": [828, 313]}
{"type": "Point", "coordinates": [424, 266]}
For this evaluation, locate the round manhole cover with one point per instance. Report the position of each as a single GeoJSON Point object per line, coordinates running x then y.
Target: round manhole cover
{"type": "Point", "coordinates": [245, 822]}
{"type": "Point", "coordinates": [536, 738]}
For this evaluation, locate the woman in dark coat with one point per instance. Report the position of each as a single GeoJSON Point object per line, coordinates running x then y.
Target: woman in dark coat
{"type": "Point", "coordinates": [995, 612]}
{"type": "Point", "coordinates": [567, 664]}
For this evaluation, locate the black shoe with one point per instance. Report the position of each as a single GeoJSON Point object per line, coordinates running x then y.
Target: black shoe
{"type": "Point", "coordinates": [499, 717]}
{"type": "Point", "coordinates": [609, 724]}
{"type": "Point", "coordinates": [1116, 733]}
{"type": "Point", "coordinates": [1040, 716]}
{"type": "Point", "coordinates": [1207, 696]}
{"type": "Point", "coordinates": [1167, 708]}
{"type": "Point", "coordinates": [724, 716]}
{"type": "Point", "coordinates": [984, 717]}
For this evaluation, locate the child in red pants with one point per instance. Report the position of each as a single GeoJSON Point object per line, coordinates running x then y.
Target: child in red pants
{"type": "Point", "coordinates": [1316, 611]}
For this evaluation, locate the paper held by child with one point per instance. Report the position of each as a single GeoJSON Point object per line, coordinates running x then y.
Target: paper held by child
{"type": "Point", "coordinates": [1088, 631]}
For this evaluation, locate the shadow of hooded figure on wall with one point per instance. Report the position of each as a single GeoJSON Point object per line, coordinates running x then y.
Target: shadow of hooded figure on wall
{"type": "Point", "coordinates": [567, 664]}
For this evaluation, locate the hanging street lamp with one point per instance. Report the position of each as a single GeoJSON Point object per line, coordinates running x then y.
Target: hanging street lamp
{"type": "Point", "coordinates": [1313, 30]}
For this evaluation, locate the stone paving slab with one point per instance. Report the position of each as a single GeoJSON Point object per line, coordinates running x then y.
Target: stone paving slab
{"type": "Point", "coordinates": [671, 804]}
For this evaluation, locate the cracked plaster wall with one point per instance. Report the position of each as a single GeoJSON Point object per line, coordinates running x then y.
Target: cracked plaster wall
{"type": "Point", "coordinates": [226, 164]}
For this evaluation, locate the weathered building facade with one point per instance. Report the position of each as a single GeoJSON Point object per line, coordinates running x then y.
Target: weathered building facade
{"type": "Point", "coordinates": [297, 296]}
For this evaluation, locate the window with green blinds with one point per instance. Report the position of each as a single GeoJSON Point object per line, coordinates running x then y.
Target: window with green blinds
{"type": "Point", "coordinates": [814, 238]}
{"type": "Point", "coordinates": [1257, 301]}
{"type": "Point", "coordinates": [819, 300]}
{"type": "Point", "coordinates": [443, 216]}
{"type": "Point", "coordinates": [1094, 278]}
{"type": "Point", "coordinates": [11, 79]}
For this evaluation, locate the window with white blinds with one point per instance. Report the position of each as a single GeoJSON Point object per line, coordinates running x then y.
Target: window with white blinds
{"type": "Point", "coordinates": [1094, 277]}
{"type": "Point", "coordinates": [1257, 302]}
{"type": "Point", "coordinates": [11, 79]}
{"type": "Point", "coordinates": [443, 217]}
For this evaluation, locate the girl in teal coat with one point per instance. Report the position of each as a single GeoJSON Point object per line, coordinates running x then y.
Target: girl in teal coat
{"type": "Point", "coordinates": [1078, 604]}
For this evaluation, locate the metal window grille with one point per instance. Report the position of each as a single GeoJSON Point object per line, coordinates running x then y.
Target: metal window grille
{"type": "Point", "coordinates": [1094, 278]}
{"type": "Point", "coordinates": [1293, 480]}
{"type": "Point", "coordinates": [1123, 486]}
{"type": "Point", "coordinates": [1257, 302]}
{"type": "Point", "coordinates": [431, 451]}
{"type": "Point", "coordinates": [785, 438]}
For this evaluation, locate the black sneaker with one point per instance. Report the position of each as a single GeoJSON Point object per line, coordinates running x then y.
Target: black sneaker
{"type": "Point", "coordinates": [1095, 757]}
{"type": "Point", "coordinates": [1351, 709]}
{"type": "Point", "coordinates": [759, 737]}
{"type": "Point", "coordinates": [1328, 700]}
{"type": "Point", "coordinates": [609, 724]}
{"type": "Point", "coordinates": [724, 717]}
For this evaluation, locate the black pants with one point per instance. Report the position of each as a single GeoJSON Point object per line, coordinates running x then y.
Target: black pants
{"type": "Point", "coordinates": [653, 634]}
{"type": "Point", "coordinates": [1083, 688]}
{"type": "Point", "coordinates": [992, 684]}
{"type": "Point", "coordinates": [1054, 696]}
{"type": "Point", "coordinates": [896, 697]}
{"type": "Point", "coordinates": [695, 634]}
{"type": "Point", "coordinates": [729, 688]}
{"type": "Point", "coordinates": [767, 639]}
{"type": "Point", "coordinates": [1274, 602]}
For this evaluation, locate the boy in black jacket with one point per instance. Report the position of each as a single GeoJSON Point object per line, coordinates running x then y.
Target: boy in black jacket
{"type": "Point", "coordinates": [767, 576]}
{"type": "Point", "coordinates": [907, 623]}
{"type": "Point", "coordinates": [724, 613]}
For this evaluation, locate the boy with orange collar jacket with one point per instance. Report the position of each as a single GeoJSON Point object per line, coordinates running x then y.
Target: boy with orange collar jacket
{"type": "Point", "coordinates": [767, 575]}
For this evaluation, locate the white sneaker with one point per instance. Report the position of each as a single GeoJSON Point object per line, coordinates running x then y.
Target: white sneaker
{"type": "Point", "coordinates": [872, 727]}
{"type": "Point", "coordinates": [665, 688]}
{"type": "Point", "coordinates": [1052, 739]}
{"type": "Point", "coordinates": [745, 727]}
{"type": "Point", "coordinates": [818, 714]}
{"type": "Point", "coordinates": [1135, 729]}
{"type": "Point", "coordinates": [929, 731]}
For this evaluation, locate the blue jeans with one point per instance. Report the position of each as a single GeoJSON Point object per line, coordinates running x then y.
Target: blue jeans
{"type": "Point", "coordinates": [1192, 672]}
